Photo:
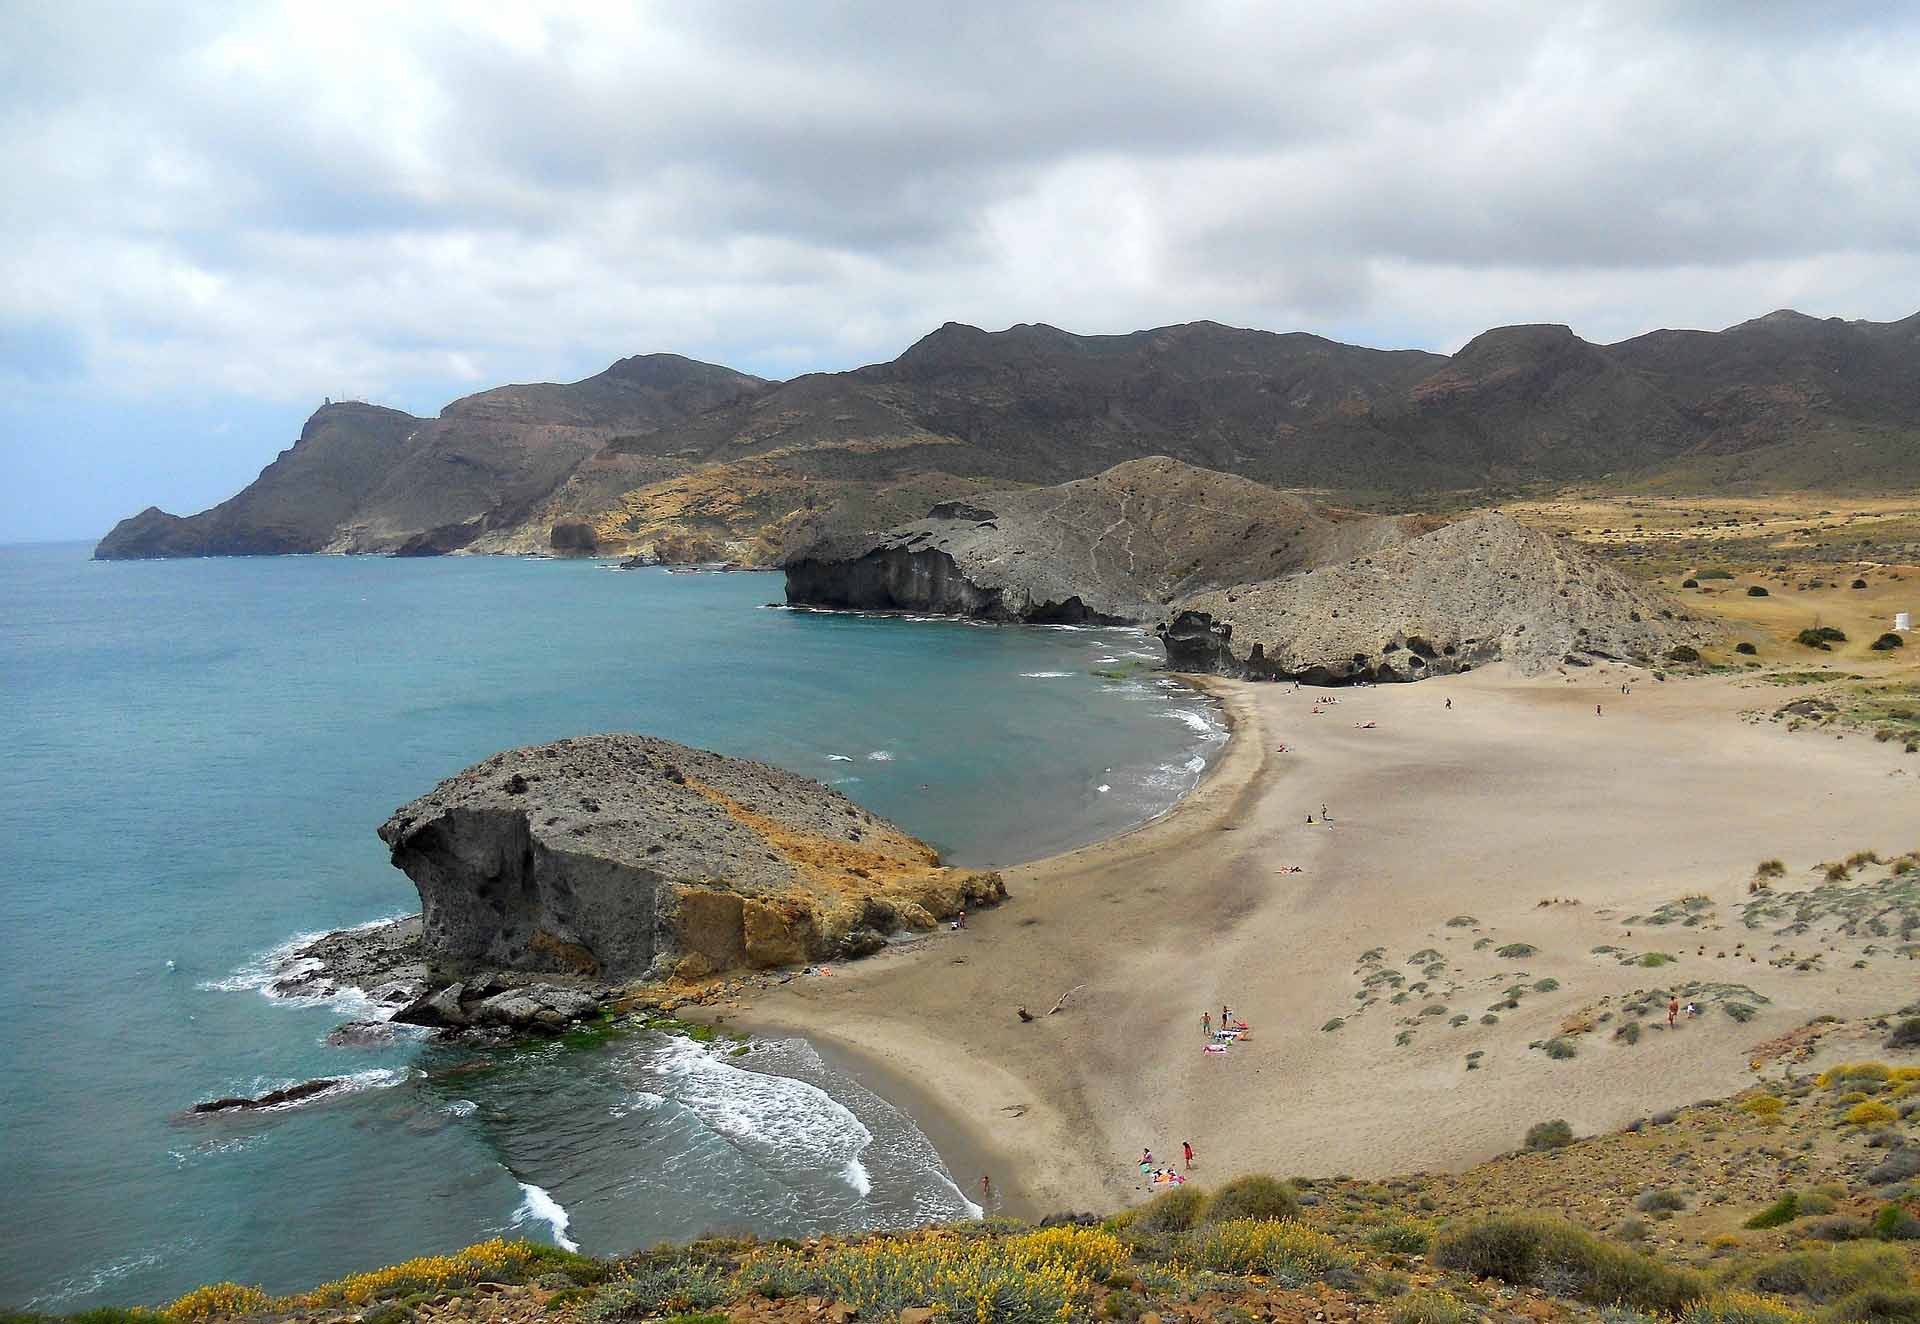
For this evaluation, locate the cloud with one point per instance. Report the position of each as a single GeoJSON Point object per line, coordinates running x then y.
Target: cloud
{"type": "Point", "coordinates": [281, 201]}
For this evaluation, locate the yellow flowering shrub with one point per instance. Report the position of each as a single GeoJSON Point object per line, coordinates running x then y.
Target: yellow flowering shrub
{"type": "Point", "coordinates": [493, 1259]}
{"type": "Point", "coordinates": [1028, 1279]}
{"type": "Point", "coordinates": [1871, 1113]}
{"type": "Point", "coordinates": [1849, 1074]}
{"type": "Point", "coordinates": [1096, 1253]}
{"type": "Point", "coordinates": [217, 1299]}
{"type": "Point", "coordinates": [1763, 1105]}
{"type": "Point", "coordinates": [1742, 1308]}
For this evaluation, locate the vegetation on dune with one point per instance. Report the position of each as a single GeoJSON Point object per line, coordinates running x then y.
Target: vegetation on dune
{"type": "Point", "coordinates": [1533, 1250]}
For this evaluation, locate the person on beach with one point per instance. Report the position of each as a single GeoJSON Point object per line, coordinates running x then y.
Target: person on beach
{"type": "Point", "coordinates": [1206, 1024]}
{"type": "Point", "coordinates": [1673, 1011]}
{"type": "Point", "coordinates": [1226, 1017]}
{"type": "Point", "coordinates": [1186, 1149]}
{"type": "Point", "coordinates": [986, 1189]}
{"type": "Point", "coordinates": [1596, 710]}
{"type": "Point", "coordinates": [1449, 705]}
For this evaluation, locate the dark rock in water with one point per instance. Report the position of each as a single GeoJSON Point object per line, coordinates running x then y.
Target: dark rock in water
{"type": "Point", "coordinates": [271, 1099]}
{"type": "Point", "coordinates": [611, 856]}
{"type": "Point", "coordinates": [362, 1034]}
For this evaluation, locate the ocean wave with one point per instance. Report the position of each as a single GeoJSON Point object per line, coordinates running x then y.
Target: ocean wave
{"type": "Point", "coordinates": [92, 1280]}
{"type": "Point", "coordinates": [283, 961]}
{"type": "Point", "coordinates": [536, 1206]}
{"type": "Point", "coordinates": [880, 755]}
{"type": "Point", "coordinates": [1202, 722]}
{"type": "Point", "coordinates": [839, 758]}
{"type": "Point", "coordinates": [1045, 675]}
{"type": "Point", "coordinates": [354, 1082]}
{"type": "Point", "coordinates": [461, 1108]}
{"type": "Point", "coordinates": [779, 1123]}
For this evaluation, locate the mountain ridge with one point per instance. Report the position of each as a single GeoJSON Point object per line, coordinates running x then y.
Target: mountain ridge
{"type": "Point", "coordinates": [665, 457]}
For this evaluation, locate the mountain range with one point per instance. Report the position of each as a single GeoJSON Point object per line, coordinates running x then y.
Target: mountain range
{"type": "Point", "coordinates": [669, 459]}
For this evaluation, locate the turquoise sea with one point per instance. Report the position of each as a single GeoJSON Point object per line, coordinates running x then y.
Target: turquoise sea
{"type": "Point", "coordinates": [193, 757]}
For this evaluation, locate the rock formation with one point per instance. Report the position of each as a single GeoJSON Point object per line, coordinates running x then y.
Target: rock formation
{"type": "Point", "coordinates": [689, 461]}
{"type": "Point", "coordinates": [1111, 549]}
{"type": "Point", "coordinates": [1481, 590]}
{"type": "Point", "coordinates": [622, 856]}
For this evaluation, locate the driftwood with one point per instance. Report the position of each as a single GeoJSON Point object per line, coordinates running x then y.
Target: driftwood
{"type": "Point", "coordinates": [1063, 998]}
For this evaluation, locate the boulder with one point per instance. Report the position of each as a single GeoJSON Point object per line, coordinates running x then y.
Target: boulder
{"type": "Point", "coordinates": [610, 857]}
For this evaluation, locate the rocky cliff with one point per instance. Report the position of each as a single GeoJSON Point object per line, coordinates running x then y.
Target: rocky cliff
{"type": "Point", "coordinates": [621, 856]}
{"type": "Point", "coordinates": [1111, 549]}
{"type": "Point", "coordinates": [1481, 590]}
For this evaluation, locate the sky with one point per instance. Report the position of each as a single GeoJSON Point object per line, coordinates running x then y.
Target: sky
{"type": "Point", "coordinates": [218, 215]}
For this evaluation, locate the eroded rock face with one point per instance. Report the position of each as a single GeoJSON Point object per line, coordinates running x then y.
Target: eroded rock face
{"type": "Point", "coordinates": [1108, 550]}
{"type": "Point", "coordinates": [616, 856]}
{"type": "Point", "coordinates": [1481, 590]}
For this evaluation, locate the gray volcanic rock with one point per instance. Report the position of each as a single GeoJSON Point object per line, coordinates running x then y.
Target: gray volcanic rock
{"type": "Point", "coordinates": [1481, 590]}
{"type": "Point", "coordinates": [1111, 549]}
{"type": "Point", "coordinates": [612, 856]}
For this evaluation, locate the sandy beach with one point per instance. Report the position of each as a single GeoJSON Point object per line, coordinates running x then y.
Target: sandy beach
{"type": "Point", "coordinates": [1542, 830]}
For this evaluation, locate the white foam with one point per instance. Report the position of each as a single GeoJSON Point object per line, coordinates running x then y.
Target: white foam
{"type": "Point", "coordinates": [1045, 675]}
{"type": "Point", "coordinates": [284, 962]}
{"type": "Point", "coordinates": [1103, 788]}
{"type": "Point", "coordinates": [373, 1078]}
{"type": "Point", "coordinates": [782, 1123]}
{"type": "Point", "coordinates": [539, 1207]}
{"type": "Point", "coordinates": [839, 758]}
{"type": "Point", "coordinates": [855, 1174]}
{"type": "Point", "coordinates": [461, 1108]}
{"type": "Point", "coordinates": [881, 755]}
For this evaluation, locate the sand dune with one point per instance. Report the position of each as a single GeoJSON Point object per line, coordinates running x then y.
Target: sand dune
{"type": "Point", "coordinates": [1515, 795]}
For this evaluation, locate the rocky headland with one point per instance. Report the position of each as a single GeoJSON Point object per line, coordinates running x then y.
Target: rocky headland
{"type": "Point", "coordinates": [1481, 590]}
{"type": "Point", "coordinates": [553, 878]}
{"type": "Point", "coordinates": [1113, 549]}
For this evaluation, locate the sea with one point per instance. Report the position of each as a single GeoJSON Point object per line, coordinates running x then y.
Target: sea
{"type": "Point", "coordinates": [193, 758]}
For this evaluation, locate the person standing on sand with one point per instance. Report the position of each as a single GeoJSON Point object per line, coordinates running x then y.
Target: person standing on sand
{"type": "Point", "coordinates": [986, 1190]}
{"type": "Point", "coordinates": [1673, 1012]}
{"type": "Point", "coordinates": [1449, 705]}
{"type": "Point", "coordinates": [1206, 1025]}
{"type": "Point", "coordinates": [1596, 710]}
{"type": "Point", "coordinates": [1186, 1148]}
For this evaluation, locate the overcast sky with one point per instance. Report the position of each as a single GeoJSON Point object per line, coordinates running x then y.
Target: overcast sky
{"type": "Point", "coordinates": [215, 215]}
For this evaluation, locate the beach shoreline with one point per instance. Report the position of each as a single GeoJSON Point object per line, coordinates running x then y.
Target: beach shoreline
{"type": "Point", "coordinates": [1470, 816]}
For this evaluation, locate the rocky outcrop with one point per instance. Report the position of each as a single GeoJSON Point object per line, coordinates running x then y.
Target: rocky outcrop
{"type": "Point", "coordinates": [613, 857]}
{"type": "Point", "coordinates": [1109, 550]}
{"type": "Point", "coordinates": [271, 1099]}
{"type": "Point", "coordinates": [1481, 590]}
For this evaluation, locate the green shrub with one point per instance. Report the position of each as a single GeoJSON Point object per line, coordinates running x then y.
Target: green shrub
{"type": "Point", "coordinates": [1842, 1228]}
{"type": "Point", "coordinates": [1887, 642]}
{"type": "Point", "coordinates": [1172, 1211]}
{"type": "Point", "coordinates": [1783, 1210]}
{"type": "Point", "coordinates": [560, 1300]}
{"type": "Point", "coordinates": [1556, 1134]}
{"type": "Point", "coordinates": [1713, 574]}
{"type": "Point", "coordinates": [1403, 1237]}
{"type": "Point", "coordinates": [1517, 951]}
{"type": "Point", "coordinates": [777, 1277]}
{"type": "Point", "coordinates": [1290, 1253]}
{"type": "Point", "coordinates": [1429, 1307]}
{"type": "Point", "coordinates": [658, 1290]}
{"type": "Point", "coordinates": [1568, 1260]}
{"type": "Point", "coordinates": [1660, 1202]}
{"type": "Point", "coordinates": [1825, 1273]}
{"type": "Point", "coordinates": [1815, 1202]}
{"type": "Point", "coordinates": [1559, 1048]}
{"type": "Point", "coordinates": [1252, 1197]}
{"type": "Point", "coordinates": [1744, 647]}
{"type": "Point", "coordinates": [1894, 1223]}
{"type": "Point", "coordinates": [1877, 1305]}
{"type": "Point", "coordinates": [1905, 1035]}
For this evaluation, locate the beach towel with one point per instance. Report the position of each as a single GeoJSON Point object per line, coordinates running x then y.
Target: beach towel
{"type": "Point", "coordinates": [1214, 1048]}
